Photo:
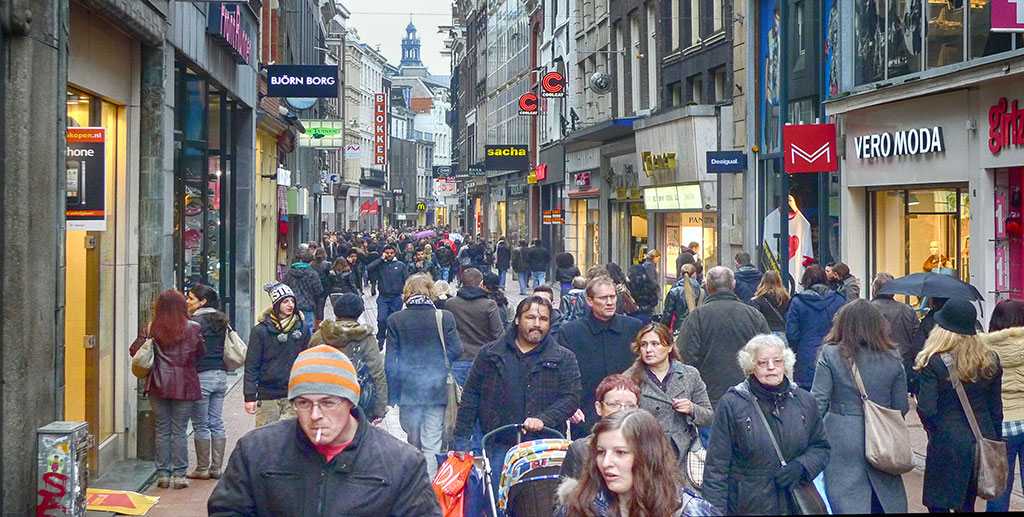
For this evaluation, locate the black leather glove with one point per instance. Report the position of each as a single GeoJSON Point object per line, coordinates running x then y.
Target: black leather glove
{"type": "Point", "coordinates": [790, 474]}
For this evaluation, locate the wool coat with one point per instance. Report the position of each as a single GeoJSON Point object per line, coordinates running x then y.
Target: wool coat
{"type": "Point", "coordinates": [1009, 344]}
{"type": "Point", "coordinates": [849, 478]}
{"type": "Point", "coordinates": [684, 382]}
{"type": "Point", "coordinates": [950, 460]}
{"type": "Point", "coordinates": [306, 283]}
{"type": "Point", "coordinates": [414, 360]}
{"type": "Point", "coordinates": [808, 321]}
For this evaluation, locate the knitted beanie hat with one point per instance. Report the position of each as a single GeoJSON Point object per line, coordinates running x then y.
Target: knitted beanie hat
{"type": "Point", "coordinates": [324, 370]}
{"type": "Point", "coordinates": [278, 291]}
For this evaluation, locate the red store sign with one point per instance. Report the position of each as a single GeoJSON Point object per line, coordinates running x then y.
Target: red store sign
{"type": "Point", "coordinates": [380, 129]}
{"type": "Point", "coordinates": [809, 148]}
{"type": "Point", "coordinates": [1005, 125]}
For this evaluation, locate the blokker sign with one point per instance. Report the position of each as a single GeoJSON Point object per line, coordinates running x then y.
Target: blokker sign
{"type": "Point", "coordinates": [380, 129]}
{"type": "Point", "coordinates": [900, 143]}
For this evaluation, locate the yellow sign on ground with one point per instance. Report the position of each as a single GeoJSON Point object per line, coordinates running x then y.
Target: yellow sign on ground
{"type": "Point", "coordinates": [127, 503]}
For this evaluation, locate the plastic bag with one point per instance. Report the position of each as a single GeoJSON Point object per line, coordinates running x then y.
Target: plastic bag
{"type": "Point", "coordinates": [450, 483]}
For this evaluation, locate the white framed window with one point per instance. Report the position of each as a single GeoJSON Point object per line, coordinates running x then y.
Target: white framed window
{"type": "Point", "coordinates": [674, 23]}
{"type": "Point", "coordinates": [719, 15]}
{"type": "Point", "coordinates": [652, 56]}
{"type": "Point", "coordinates": [694, 22]}
{"type": "Point", "coordinates": [634, 69]}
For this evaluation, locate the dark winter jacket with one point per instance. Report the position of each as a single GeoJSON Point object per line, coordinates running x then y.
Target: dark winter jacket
{"type": "Point", "coordinates": [711, 336]}
{"type": "Point", "coordinates": [444, 256]}
{"type": "Point", "coordinates": [747, 280]}
{"type": "Point", "coordinates": [643, 289]}
{"type": "Point", "coordinates": [564, 275]}
{"type": "Point", "coordinates": [741, 461]}
{"type": "Point", "coordinates": [538, 258]}
{"type": "Point", "coordinates": [414, 363]}
{"type": "Point", "coordinates": [268, 361]}
{"type": "Point", "coordinates": [357, 341]}
{"type": "Point", "coordinates": [552, 381]}
{"type": "Point", "coordinates": [347, 282]}
{"type": "Point", "coordinates": [916, 345]}
{"type": "Point", "coordinates": [503, 255]}
{"type": "Point", "coordinates": [774, 313]}
{"type": "Point", "coordinates": [173, 375]}
{"type": "Point", "coordinates": [518, 259]}
{"type": "Point", "coordinates": [427, 267]}
{"type": "Point", "coordinates": [903, 324]}
{"type": "Point", "coordinates": [807, 322]}
{"type": "Point", "coordinates": [601, 349]}
{"type": "Point", "coordinates": [275, 471]}
{"type": "Point", "coordinates": [477, 318]}
{"type": "Point", "coordinates": [305, 282]}
{"type": "Point", "coordinates": [948, 465]}
{"type": "Point", "coordinates": [214, 327]}
{"type": "Point", "coordinates": [573, 305]}
{"type": "Point", "coordinates": [676, 309]}
{"type": "Point", "coordinates": [392, 275]}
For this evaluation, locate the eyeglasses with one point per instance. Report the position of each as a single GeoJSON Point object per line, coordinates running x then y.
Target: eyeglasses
{"type": "Point", "coordinates": [618, 407]}
{"type": "Point", "coordinates": [325, 405]}
{"type": "Point", "coordinates": [763, 363]}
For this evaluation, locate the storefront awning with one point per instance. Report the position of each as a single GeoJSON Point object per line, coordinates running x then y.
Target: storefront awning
{"type": "Point", "coordinates": [604, 131]}
{"type": "Point", "coordinates": [584, 193]}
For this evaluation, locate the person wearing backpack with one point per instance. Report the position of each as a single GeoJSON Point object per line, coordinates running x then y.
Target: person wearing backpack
{"type": "Point", "coordinates": [574, 303]}
{"type": "Point", "coordinates": [858, 335]}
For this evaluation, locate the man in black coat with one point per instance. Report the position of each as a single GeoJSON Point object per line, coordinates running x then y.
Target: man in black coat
{"type": "Point", "coordinates": [520, 266]}
{"type": "Point", "coordinates": [601, 343]}
{"type": "Point", "coordinates": [748, 278]}
{"type": "Point", "coordinates": [538, 257]}
{"type": "Point", "coordinates": [503, 255]}
{"type": "Point", "coordinates": [391, 273]}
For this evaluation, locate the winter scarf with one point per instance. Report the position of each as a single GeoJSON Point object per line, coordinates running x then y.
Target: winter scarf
{"type": "Point", "coordinates": [419, 299]}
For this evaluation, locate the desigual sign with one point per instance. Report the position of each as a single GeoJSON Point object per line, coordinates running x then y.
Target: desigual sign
{"type": "Point", "coordinates": [319, 81]}
{"type": "Point", "coordinates": [507, 158]}
{"type": "Point", "coordinates": [901, 143]}
{"type": "Point", "coordinates": [1005, 125]}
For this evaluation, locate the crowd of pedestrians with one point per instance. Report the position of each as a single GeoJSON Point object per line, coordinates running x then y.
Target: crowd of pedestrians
{"type": "Point", "coordinates": [728, 396]}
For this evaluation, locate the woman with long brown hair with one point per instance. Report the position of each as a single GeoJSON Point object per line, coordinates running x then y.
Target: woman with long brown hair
{"type": "Point", "coordinates": [772, 300]}
{"type": "Point", "coordinates": [630, 470]}
{"type": "Point", "coordinates": [172, 383]}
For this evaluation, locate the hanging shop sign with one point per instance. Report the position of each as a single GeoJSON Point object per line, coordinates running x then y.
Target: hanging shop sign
{"type": "Point", "coordinates": [318, 81]}
{"type": "Point", "coordinates": [352, 152]}
{"type": "Point", "coordinates": [528, 104]}
{"type": "Point", "coordinates": [322, 133]}
{"type": "Point", "coordinates": [445, 187]}
{"type": "Point", "coordinates": [380, 129]}
{"type": "Point", "coordinates": [553, 85]}
{"type": "Point", "coordinates": [369, 207]}
{"type": "Point", "coordinates": [541, 173]}
{"type": "Point", "coordinates": [506, 158]}
{"type": "Point", "coordinates": [658, 162]}
{"type": "Point", "coordinates": [532, 178]}
{"type": "Point", "coordinates": [86, 179]}
{"type": "Point", "coordinates": [477, 171]}
{"type": "Point", "coordinates": [443, 171]}
{"type": "Point", "coordinates": [910, 142]}
{"type": "Point", "coordinates": [1005, 123]}
{"type": "Point", "coordinates": [809, 148]}
{"type": "Point", "coordinates": [721, 162]}
{"type": "Point", "coordinates": [421, 207]}
{"type": "Point", "coordinates": [673, 198]}
{"type": "Point", "coordinates": [225, 24]}
{"type": "Point", "coordinates": [497, 193]}
{"type": "Point", "coordinates": [581, 179]}
{"type": "Point", "coordinates": [553, 217]}
{"type": "Point", "coordinates": [1007, 16]}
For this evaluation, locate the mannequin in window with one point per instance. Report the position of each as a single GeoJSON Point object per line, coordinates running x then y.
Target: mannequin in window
{"type": "Point", "coordinates": [801, 252]}
{"type": "Point", "coordinates": [936, 259]}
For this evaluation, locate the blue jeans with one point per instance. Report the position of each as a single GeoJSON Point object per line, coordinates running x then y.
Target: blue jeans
{"type": "Point", "coordinates": [171, 442]}
{"type": "Point", "coordinates": [308, 320]}
{"type": "Point", "coordinates": [386, 306]}
{"type": "Point", "coordinates": [524, 281]}
{"type": "Point", "coordinates": [1014, 450]}
{"type": "Point", "coordinates": [424, 429]}
{"type": "Point", "coordinates": [538, 278]}
{"type": "Point", "coordinates": [442, 273]}
{"type": "Point", "coordinates": [460, 370]}
{"type": "Point", "coordinates": [496, 455]}
{"type": "Point", "coordinates": [501, 276]}
{"type": "Point", "coordinates": [206, 416]}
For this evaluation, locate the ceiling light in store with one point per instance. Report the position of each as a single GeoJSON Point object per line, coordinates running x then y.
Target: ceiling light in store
{"type": "Point", "coordinates": [912, 200]}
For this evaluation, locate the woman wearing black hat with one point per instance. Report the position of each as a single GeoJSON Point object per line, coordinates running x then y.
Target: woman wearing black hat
{"type": "Point", "coordinates": [949, 483]}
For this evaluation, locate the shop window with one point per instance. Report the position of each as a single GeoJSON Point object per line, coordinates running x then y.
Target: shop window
{"type": "Point", "coordinates": [944, 32]}
{"type": "Point", "coordinates": [720, 85]}
{"type": "Point", "coordinates": [869, 30]}
{"type": "Point", "coordinates": [904, 37]}
{"type": "Point", "coordinates": [696, 83]}
{"type": "Point", "coordinates": [981, 41]}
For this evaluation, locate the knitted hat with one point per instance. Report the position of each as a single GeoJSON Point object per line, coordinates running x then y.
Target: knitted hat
{"type": "Point", "coordinates": [278, 291]}
{"type": "Point", "coordinates": [323, 370]}
{"type": "Point", "coordinates": [347, 305]}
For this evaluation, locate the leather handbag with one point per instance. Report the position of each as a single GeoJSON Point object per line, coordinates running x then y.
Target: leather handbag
{"type": "Point", "coordinates": [453, 391]}
{"type": "Point", "coordinates": [805, 495]}
{"type": "Point", "coordinates": [886, 435]}
{"type": "Point", "coordinates": [990, 463]}
{"type": "Point", "coordinates": [234, 350]}
{"type": "Point", "coordinates": [693, 462]}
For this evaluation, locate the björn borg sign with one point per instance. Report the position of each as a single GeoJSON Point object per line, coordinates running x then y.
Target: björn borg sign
{"type": "Point", "coordinates": [317, 81]}
{"type": "Point", "coordinates": [901, 143]}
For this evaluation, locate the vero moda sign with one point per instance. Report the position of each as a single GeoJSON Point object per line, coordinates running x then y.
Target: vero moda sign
{"type": "Point", "coordinates": [319, 81]}
{"type": "Point", "coordinates": [809, 148]}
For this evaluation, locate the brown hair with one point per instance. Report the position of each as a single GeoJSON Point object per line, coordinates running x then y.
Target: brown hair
{"type": "Point", "coordinates": [656, 476]}
{"type": "Point", "coordinates": [664, 335]}
{"type": "Point", "coordinates": [341, 265]}
{"type": "Point", "coordinates": [859, 324]}
{"type": "Point", "coordinates": [771, 284]}
{"type": "Point", "coordinates": [170, 318]}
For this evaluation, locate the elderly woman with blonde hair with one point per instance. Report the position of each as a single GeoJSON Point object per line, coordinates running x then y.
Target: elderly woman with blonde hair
{"type": "Point", "coordinates": [743, 474]}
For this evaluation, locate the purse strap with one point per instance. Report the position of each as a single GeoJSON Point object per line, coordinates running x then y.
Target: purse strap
{"type": "Point", "coordinates": [440, 331]}
{"type": "Point", "coordinates": [858, 380]}
{"type": "Point", "coordinates": [962, 395]}
{"type": "Point", "coordinates": [768, 428]}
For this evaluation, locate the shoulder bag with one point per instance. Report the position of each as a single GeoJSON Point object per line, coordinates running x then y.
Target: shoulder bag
{"type": "Point", "coordinates": [693, 462]}
{"type": "Point", "coordinates": [142, 361]}
{"type": "Point", "coordinates": [990, 463]}
{"type": "Point", "coordinates": [452, 389]}
{"type": "Point", "coordinates": [805, 495]}
{"type": "Point", "coordinates": [234, 350]}
{"type": "Point", "coordinates": [886, 436]}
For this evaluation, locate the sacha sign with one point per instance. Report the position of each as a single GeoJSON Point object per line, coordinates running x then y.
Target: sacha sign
{"type": "Point", "coordinates": [320, 81]}
{"type": "Point", "coordinates": [507, 158]}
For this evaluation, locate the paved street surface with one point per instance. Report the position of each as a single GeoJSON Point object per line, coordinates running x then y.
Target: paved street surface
{"type": "Point", "coordinates": [192, 501]}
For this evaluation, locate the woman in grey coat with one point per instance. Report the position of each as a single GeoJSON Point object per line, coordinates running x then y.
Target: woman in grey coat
{"type": "Point", "coordinates": [860, 333]}
{"type": "Point", "coordinates": [672, 391]}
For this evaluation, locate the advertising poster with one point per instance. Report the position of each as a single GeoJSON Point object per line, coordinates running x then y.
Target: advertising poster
{"type": "Point", "coordinates": [86, 179]}
{"type": "Point", "coordinates": [768, 84]}
{"type": "Point", "coordinates": [831, 32]}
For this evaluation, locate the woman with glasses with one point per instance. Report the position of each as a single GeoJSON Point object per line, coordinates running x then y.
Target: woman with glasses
{"type": "Point", "coordinates": [672, 391]}
{"type": "Point", "coordinates": [615, 393]}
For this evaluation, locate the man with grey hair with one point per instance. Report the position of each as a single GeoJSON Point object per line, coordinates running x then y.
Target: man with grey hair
{"type": "Point", "coordinates": [714, 332]}
{"type": "Point", "coordinates": [903, 322]}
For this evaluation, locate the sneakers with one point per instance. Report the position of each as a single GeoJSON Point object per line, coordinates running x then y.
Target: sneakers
{"type": "Point", "coordinates": [163, 482]}
{"type": "Point", "coordinates": [179, 482]}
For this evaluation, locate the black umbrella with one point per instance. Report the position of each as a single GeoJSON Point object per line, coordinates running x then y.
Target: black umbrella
{"type": "Point", "coordinates": [935, 285]}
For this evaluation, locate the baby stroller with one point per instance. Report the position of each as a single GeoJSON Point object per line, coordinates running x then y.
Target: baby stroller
{"type": "Point", "coordinates": [529, 475]}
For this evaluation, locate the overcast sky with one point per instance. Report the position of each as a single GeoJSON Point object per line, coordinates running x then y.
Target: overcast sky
{"type": "Point", "coordinates": [384, 22]}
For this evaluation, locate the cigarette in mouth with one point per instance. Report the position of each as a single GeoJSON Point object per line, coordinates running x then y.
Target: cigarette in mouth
{"type": "Point", "coordinates": [318, 433]}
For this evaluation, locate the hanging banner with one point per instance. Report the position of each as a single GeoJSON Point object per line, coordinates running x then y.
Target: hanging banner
{"type": "Point", "coordinates": [380, 129]}
{"type": "Point", "coordinates": [86, 179]}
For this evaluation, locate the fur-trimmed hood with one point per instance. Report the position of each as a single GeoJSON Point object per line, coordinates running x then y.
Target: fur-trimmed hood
{"type": "Point", "coordinates": [1009, 344]}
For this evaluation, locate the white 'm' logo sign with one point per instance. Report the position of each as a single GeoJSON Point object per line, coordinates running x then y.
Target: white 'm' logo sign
{"type": "Point", "coordinates": [1020, 9]}
{"type": "Point", "coordinates": [813, 157]}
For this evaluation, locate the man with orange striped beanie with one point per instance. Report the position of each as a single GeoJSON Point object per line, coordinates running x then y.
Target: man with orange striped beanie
{"type": "Point", "coordinates": [329, 460]}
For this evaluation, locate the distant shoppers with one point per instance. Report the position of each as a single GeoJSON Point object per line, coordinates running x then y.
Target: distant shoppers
{"type": "Point", "coordinates": [748, 278]}
{"type": "Point", "coordinates": [651, 260]}
{"type": "Point", "coordinates": [902, 320]}
{"type": "Point", "coordinates": [714, 332]}
{"type": "Point", "coordinates": [846, 284]}
{"type": "Point", "coordinates": [1006, 338]}
{"type": "Point", "coordinates": [341, 278]}
{"type": "Point", "coordinates": [808, 321]}
{"type": "Point", "coordinates": [573, 304]}
{"type": "Point", "coordinates": [521, 266]}
{"type": "Point", "coordinates": [444, 256]}
{"type": "Point", "coordinates": [392, 274]}
{"type": "Point", "coordinates": [503, 259]}
{"type": "Point", "coordinates": [644, 291]}
{"type": "Point", "coordinates": [417, 368]}
{"type": "Point", "coordinates": [421, 264]}
{"type": "Point", "coordinates": [600, 343]}
{"type": "Point", "coordinates": [949, 480]}
{"type": "Point", "coordinates": [689, 254]}
{"type": "Point", "coordinates": [274, 343]}
{"type": "Point", "coordinates": [321, 265]}
{"type": "Point", "coordinates": [614, 393]}
{"type": "Point", "coordinates": [305, 282]}
{"type": "Point", "coordinates": [858, 337]}
{"type": "Point", "coordinates": [557, 318]}
{"type": "Point", "coordinates": [328, 461]}
{"type": "Point", "coordinates": [626, 305]}
{"type": "Point", "coordinates": [565, 271]}
{"type": "Point", "coordinates": [477, 319]}
{"type": "Point", "coordinates": [917, 343]}
{"type": "Point", "coordinates": [172, 383]}
{"type": "Point", "coordinates": [743, 475]}
{"type": "Point", "coordinates": [538, 258]}
{"type": "Point", "coordinates": [207, 421]}
{"type": "Point", "coordinates": [682, 298]}
{"type": "Point", "coordinates": [356, 341]}
{"type": "Point", "coordinates": [772, 300]}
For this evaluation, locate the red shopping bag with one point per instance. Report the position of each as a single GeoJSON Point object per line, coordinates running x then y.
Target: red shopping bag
{"type": "Point", "coordinates": [450, 482]}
